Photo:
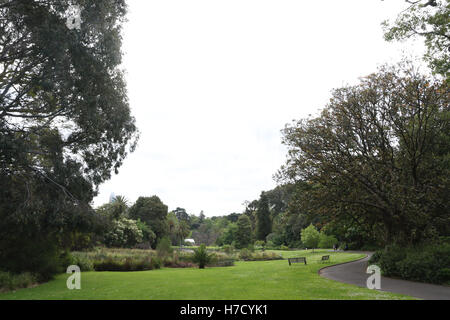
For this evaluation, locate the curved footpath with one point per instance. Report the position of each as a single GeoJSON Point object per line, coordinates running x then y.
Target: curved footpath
{"type": "Point", "coordinates": [355, 273]}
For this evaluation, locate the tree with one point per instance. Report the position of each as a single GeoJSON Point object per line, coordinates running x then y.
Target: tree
{"type": "Point", "coordinates": [206, 233]}
{"type": "Point", "coordinates": [310, 237]}
{"type": "Point", "coordinates": [148, 236]}
{"type": "Point", "coordinates": [378, 156]}
{"type": "Point", "coordinates": [326, 241]}
{"type": "Point", "coordinates": [263, 222]}
{"type": "Point", "coordinates": [153, 212]}
{"type": "Point", "coordinates": [65, 122]}
{"type": "Point", "coordinates": [178, 229]}
{"type": "Point", "coordinates": [202, 257]}
{"type": "Point", "coordinates": [244, 232]}
{"type": "Point", "coordinates": [124, 233]}
{"type": "Point", "coordinates": [428, 19]}
{"type": "Point", "coordinates": [181, 214]}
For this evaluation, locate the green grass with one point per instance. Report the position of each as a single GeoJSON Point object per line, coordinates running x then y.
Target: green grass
{"type": "Point", "coordinates": [271, 280]}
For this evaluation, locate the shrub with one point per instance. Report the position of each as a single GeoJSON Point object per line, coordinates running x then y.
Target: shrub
{"type": "Point", "coordinates": [270, 245]}
{"type": "Point", "coordinates": [426, 263]}
{"type": "Point", "coordinates": [11, 281]}
{"type": "Point", "coordinates": [228, 249]}
{"type": "Point", "coordinates": [124, 233]}
{"type": "Point", "coordinates": [283, 247]}
{"type": "Point", "coordinates": [296, 244]}
{"type": "Point", "coordinates": [260, 244]}
{"type": "Point", "coordinates": [326, 241]}
{"type": "Point", "coordinates": [164, 247]}
{"type": "Point", "coordinates": [127, 264]}
{"type": "Point", "coordinates": [83, 262]}
{"type": "Point", "coordinates": [388, 260]}
{"type": "Point", "coordinates": [202, 257]}
{"type": "Point", "coordinates": [245, 254]}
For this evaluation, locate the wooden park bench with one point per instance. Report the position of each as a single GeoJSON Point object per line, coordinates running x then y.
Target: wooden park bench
{"type": "Point", "coordinates": [297, 260]}
{"type": "Point", "coordinates": [325, 259]}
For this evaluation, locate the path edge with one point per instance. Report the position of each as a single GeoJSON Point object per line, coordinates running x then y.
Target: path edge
{"type": "Point", "coordinates": [338, 264]}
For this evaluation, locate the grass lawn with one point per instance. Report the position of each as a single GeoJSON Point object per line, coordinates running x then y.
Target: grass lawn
{"type": "Point", "coordinates": [266, 280]}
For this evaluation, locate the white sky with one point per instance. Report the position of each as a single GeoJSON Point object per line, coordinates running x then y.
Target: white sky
{"type": "Point", "coordinates": [212, 83]}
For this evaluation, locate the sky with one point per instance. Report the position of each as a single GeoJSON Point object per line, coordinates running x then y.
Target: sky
{"type": "Point", "coordinates": [212, 84]}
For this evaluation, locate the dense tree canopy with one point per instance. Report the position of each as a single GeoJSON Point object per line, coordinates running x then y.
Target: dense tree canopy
{"type": "Point", "coordinates": [65, 122]}
{"type": "Point", "coordinates": [153, 212]}
{"type": "Point", "coordinates": [379, 155]}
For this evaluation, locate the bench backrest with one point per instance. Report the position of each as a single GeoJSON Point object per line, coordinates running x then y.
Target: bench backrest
{"type": "Point", "coordinates": [297, 260]}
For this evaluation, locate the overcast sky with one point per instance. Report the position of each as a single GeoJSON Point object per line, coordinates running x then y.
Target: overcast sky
{"type": "Point", "coordinates": [212, 83]}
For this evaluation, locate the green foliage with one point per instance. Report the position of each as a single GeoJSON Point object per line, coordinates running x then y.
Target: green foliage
{"type": "Point", "coordinates": [202, 257]}
{"type": "Point", "coordinates": [260, 244]}
{"type": "Point", "coordinates": [263, 221]}
{"type": "Point", "coordinates": [164, 247]}
{"type": "Point", "coordinates": [270, 245]}
{"type": "Point", "coordinates": [247, 255]}
{"type": "Point", "coordinates": [83, 262]}
{"type": "Point", "coordinates": [394, 180]}
{"type": "Point", "coordinates": [228, 249]}
{"type": "Point", "coordinates": [127, 264]}
{"type": "Point", "coordinates": [153, 212]}
{"type": "Point", "coordinates": [124, 233]}
{"type": "Point", "coordinates": [65, 125]}
{"type": "Point", "coordinates": [310, 237]}
{"type": "Point", "coordinates": [326, 241]}
{"type": "Point", "coordinates": [244, 232]}
{"type": "Point", "coordinates": [11, 281]}
{"type": "Point", "coordinates": [148, 236]}
{"type": "Point", "coordinates": [430, 21]}
{"type": "Point", "coordinates": [228, 234]}
{"type": "Point", "coordinates": [426, 263]}
{"type": "Point", "coordinates": [43, 256]}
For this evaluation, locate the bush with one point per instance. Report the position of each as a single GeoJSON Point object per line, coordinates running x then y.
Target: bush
{"type": "Point", "coordinates": [327, 242]}
{"type": "Point", "coordinates": [228, 249]}
{"type": "Point", "coordinates": [164, 247]}
{"type": "Point", "coordinates": [388, 260]}
{"type": "Point", "coordinates": [283, 247]}
{"type": "Point", "coordinates": [296, 245]}
{"type": "Point", "coordinates": [426, 263]}
{"type": "Point", "coordinates": [127, 264]}
{"type": "Point", "coordinates": [276, 238]}
{"type": "Point", "coordinates": [11, 281]}
{"type": "Point", "coordinates": [245, 254]}
{"type": "Point", "coordinates": [124, 233]}
{"type": "Point", "coordinates": [270, 245]}
{"type": "Point", "coordinates": [83, 262]}
{"type": "Point", "coordinates": [40, 256]}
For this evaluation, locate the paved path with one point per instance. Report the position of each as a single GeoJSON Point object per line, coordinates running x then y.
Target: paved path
{"type": "Point", "coordinates": [355, 273]}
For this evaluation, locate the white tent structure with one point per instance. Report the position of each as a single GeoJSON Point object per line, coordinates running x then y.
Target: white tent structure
{"type": "Point", "coordinates": [190, 241]}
